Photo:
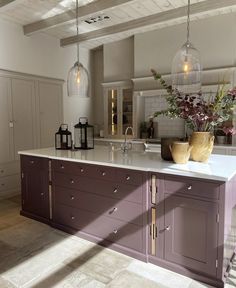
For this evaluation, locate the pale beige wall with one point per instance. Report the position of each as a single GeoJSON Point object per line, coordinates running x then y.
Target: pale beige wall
{"type": "Point", "coordinates": [42, 55]}
{"type": "Point", "coordinates": [97, 80]}
{"type": "Point", "coordinates": [119, 60]}
{"type": "Point", "coordinates": [215, 38]}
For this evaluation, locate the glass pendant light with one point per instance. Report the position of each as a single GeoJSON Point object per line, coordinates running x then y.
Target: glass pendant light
{"type": "Point", "coordinates": [186, 66]}
{"type": "Point", "coordinates": [78, 79]}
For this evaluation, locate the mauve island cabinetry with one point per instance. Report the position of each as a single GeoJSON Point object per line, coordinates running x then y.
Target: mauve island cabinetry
{"type": "Point", "coordinates": [180, 222]}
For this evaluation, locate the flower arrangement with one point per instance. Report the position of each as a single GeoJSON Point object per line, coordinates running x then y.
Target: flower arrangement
{"type": "Point", "coordinates": [229, 130]}
{"type": "Point", "coordinates": [199, 113]}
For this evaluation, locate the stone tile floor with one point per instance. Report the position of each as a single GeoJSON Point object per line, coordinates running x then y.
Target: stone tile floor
{"type": "Point", "coordinates": [34, 255]}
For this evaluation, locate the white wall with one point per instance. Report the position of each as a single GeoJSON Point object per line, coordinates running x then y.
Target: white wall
{"type": "Point", "coordinates": [215, 38]}
{"type": "Point", "coordinates": [42, 55]}
{"type": "Point", "coordinates": [97, 79]}
{"type": "Point", "coordinates": [119, 60]}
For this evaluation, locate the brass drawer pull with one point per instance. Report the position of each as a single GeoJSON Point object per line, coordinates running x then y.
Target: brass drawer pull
{"type": "Point", "coordinates": [115, 190]}
{"type": "Point", "coordinates": [72, 197]}
{"type": "Point", "coordinates": [72, 217]}
{"type": "Point", "coordinates": [128, 178]}
{"type": "Point", "coordinates": [103, 173]}
{"type": "Point", "coordinates": [62, 167]}
{"type": "Point", "coordinates": [189, 187]}
{"type": "Point", "coordinates": [72, 181]}
{"type": "Point", "coordinates": [115, 231]}
{"type": "Point", "coordinates": [81, 170]}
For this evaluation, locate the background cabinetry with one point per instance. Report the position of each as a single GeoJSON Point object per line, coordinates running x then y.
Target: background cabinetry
{"type": "Point", "coordinates": [30, 113]}
{"type": "Point", "coordinates": [118, 108]}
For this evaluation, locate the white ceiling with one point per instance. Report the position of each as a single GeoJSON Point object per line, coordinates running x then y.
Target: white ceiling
{"type": "Point", "coordinates": [24, 12]}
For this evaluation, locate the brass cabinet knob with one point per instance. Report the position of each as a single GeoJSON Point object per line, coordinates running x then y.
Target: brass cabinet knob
{"type": "Point", "coordinates": [2, 184]}
{"type": "Point", "coordinates": [72, 181]}
{"type": "Point", "coordinates": [72, 197]}
{"type": "Point", "coordinates": [2, 171]}
{"type": "Point", "coordinates": [103, 173]}
{"type": "Point", "coordinates": [72, 217]}
{"type": "Point", "coordinates": [42, 194]}
{"type": "Point", "coordinates": [81, 170]}
{"type": "Point", "coordinates": [115, 190]}
{"type": "Point", "coordinates": [62, 167]}
{"type": "Point", "coordinates": [127, 178]}
{"type": "Point", "coordinates": [115, 231]}
{"type": "Point", "coordinates": [189, 187]}
{"type": "Point", "coordinates": [32, 162]}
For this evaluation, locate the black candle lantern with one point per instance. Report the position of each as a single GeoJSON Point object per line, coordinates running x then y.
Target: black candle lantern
{"type": "Point", "coordinates": [63, 138]}
{"type": "Point", "coordinates": [84, 134]}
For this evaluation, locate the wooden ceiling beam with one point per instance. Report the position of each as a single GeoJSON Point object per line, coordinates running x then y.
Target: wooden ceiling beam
{"type": "Point", "coordinates": [8, 4]}
{"type": "Point", "coordinates": [153, 19]}
{"type": "Point", "coordinates": [66, 17]}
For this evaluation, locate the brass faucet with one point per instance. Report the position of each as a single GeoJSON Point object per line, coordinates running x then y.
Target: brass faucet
{"type": "Point", "coordinates": [127, 145]}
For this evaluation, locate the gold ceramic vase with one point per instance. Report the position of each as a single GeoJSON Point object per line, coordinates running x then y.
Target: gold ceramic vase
{"type": "Point", "coordinates": [180, 152]}
{"type": "Point", "coordinates": [202, 143]}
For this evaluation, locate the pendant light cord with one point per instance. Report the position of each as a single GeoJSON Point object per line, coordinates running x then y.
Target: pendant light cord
{"type": "Point", "coordinates": [77, 28]}
{"type": "Point", "coordinates": [188, 23]}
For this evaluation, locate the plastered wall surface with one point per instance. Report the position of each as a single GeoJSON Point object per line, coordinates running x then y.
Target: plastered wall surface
{"type": "Point", "coordinates": [42, 55]}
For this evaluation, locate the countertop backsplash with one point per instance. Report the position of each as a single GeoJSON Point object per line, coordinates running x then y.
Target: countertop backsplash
{"type": "Point", "coordinates": [165, 126]}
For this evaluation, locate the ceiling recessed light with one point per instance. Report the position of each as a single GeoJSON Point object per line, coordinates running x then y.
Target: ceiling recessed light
{"type": "Point", "coordinates": [95, 19]}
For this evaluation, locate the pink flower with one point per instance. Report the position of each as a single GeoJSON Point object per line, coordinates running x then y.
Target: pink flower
{"type": "Point", "coordinates": [229, 130]}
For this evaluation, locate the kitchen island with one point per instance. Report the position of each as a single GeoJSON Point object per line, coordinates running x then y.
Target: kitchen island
{"type": "Point", "coordinates": [181, 217]}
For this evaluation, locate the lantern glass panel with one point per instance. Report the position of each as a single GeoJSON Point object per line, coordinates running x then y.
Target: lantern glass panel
{"type": "Point", "coordinates": [63, 138]}
{"type": "Point", "coordinates": [84, 135]}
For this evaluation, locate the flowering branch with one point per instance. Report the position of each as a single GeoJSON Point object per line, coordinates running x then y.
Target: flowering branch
{"type": "Point", "coordinates": [199, 114]}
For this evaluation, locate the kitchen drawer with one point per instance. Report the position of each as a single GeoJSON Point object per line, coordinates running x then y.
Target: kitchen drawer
{"type": "Point", "coordinates": [32, 162]}
{"type": "Point", "coordinates": [71, 167]}
{"type": "Point", "coordinates": [130, 177]}
{"type": "Point", "coordinates": [191, 187]}
{"type": "Point", "coordinates": [71, 181]}
{"type": "Point", "coordinates": [100, 187]}
{"type": "Point", "coordinates": [9, 168]}
{"type": "Point", "coordinates": [93, 171]}
{"type": "Point", "coordinates": [116, 231]}
{"type": "Point", "coordinates": [124, 176]}
{"type": "Point", "coordinates": [103, 172]}
{"type": "Point", "coordinates": [10, 182]}
{"type": "Point", "coordinates": [109, 207]}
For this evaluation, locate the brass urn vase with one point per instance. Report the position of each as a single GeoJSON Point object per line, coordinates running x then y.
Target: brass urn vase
{"type": "Point", "coordinates": [202, 146]}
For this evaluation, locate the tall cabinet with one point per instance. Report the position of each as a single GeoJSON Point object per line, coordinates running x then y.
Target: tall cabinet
{"type": "Point", "coordinates": [30, 113]}
{"type": "Point", "coordinates": [118, 108]}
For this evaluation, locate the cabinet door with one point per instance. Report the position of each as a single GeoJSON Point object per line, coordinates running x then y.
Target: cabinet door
{"type": "Point", "coordinates": [118, 110]}
{"type": "Point", "coordinates": [50, 112]}
{"type": "Point", "coordinates": [113, 112]}
{"type": "Point", "coordinates": [35, 186]}
{"type": "Point", "coordinates": [6, 132]}
{"type": "Point", "coordinates": [127, 109]}
{"type": "Point", "coordinates": [23, 103]}
{"type": "Point", "coordinates": [191, 233]}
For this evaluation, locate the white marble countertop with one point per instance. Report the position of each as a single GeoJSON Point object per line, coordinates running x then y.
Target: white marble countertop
{"type": "Point", "coordinates": [219, 167]}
